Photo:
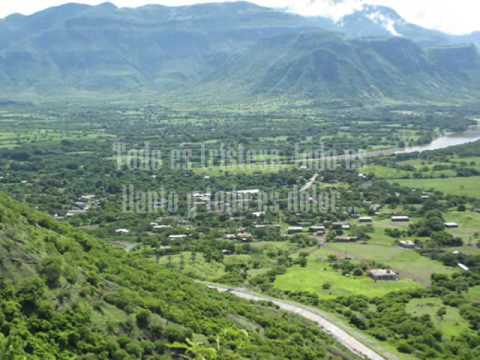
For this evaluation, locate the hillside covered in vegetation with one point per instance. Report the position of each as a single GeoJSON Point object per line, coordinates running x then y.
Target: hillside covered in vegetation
{"type": "Point", "coordinates": [65, 295]}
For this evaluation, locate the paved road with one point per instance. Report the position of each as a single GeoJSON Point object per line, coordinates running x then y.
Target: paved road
{"type": "Point", "coordinates": [336, 332]}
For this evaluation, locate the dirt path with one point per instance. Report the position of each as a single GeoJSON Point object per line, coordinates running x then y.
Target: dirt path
{"type": "Point", "coordinates": [336, 332]}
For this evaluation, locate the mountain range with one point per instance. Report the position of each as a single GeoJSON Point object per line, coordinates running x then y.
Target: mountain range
{"type": "Point", "coordinates": [233, 48]}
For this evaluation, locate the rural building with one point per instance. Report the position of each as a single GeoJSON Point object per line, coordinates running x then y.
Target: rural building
{"type": "Point", "coordinates": [400, 218]}
{"type": "Point", "coordinates": [244, 236]}
{"type": "Point", "coordinates": [407, 244]}
{"type": "Point", "coordinates": [161, 227]}
{"type": "Point", "coordinates": [258, 214]}
{"type": "Point", "coordinates": [340, 225]}
{"type": "Point", "coordinates": [463, 267]}
{"type": "Point", "coordinates": [383, 275]}
{"type": "Point", "coordinates": [122, 231]}
{"type": "Point", "coordinates": [317, 228]}
{"type": "Point", "coordinates": [178, 237]}
{"type": "Point", "coordinates": [365, 219]}
{"type": "Point", "coordinates": [346, 239]}
{"type": "Point", "coordinates": [295, 229]}
{"type": "Point", "coordinates": [451, 225]}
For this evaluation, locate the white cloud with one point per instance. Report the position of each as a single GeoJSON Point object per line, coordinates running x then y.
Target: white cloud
{"type": "Point", "coordinates": [454, 16]}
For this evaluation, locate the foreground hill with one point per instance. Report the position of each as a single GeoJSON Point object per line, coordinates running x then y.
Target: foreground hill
{"type": "Point", "coordinates": [235, 48]}
{"type": "Point", "coordinates": [64, 295]}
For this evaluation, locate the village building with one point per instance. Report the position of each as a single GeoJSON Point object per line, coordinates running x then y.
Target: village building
{"type": "Point", "coordinates": [365, 219]}
{"type": "Point", "coordinates": [258, 214]}
{"type": "Point", "coordinates": [161, 227]}
{"type": "Point", "coordinates": [463, 267]}
{"type": "Point", "coordinates": [318, 229]}
{"type": "Point", "coordinates": [122, 231]}
{"type": "Point", "coordinates": [178, 237]}
{"type": "Point", "coordinates": [451, 225]}
{"type": "Point", "coordinates": [294, 230]}
{"type": "Point", "coordinates": [346, 239]}
{"type": "Point", "coordinates": [400, 218]}
{"type": "Point", "coordinates": [383, 275]}
{"type": "Point", "coordinates": [407, 244]}
{"type": "Point", "coordinates": [245, 237]}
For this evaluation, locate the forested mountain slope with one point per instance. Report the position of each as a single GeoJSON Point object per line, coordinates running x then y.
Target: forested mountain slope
{"type": "Point", "coordinates": [232, 48]}
{"type": "Point", "coordinates": [64, 295]}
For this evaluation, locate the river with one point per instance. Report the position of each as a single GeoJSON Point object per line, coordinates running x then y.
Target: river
{"type": "Point", "coordinates": [446, 141]}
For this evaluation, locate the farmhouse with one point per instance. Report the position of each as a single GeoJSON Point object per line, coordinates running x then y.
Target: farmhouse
{"type": "Point", "coordinates": [122, 231]}
{"type": "Point", "coordinates": [400, 218]}
{"type": "Point", "coordinates": [451, 225]}
{"type": "Point", "coordinates": [407, 244]}
{"type": "Point", "coordinates": [161, 227]}
{"type": "Point", "coordinates": [383, 275]}
{"type": "Point", "coordinates": [244, 236]}
{"type": "Point", "coordinates": [294, 230]}
{"type": "Point", "coordinates": [345, 239]}
{"type": "Point", "coordinates": [178, 237]}
{"type": "Point", "coordinates": [365, 219]}
{"type": "Point", "coordinates": [258, 214]}
{"type": "Point", "coordinates": [317, 228]}
{"type": "Point", "coordinates": [464, 267]}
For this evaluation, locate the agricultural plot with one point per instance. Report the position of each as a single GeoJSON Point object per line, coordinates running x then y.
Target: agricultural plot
{"type": "Point", "coordinates": [446, 318]}
{"type": "Point", "coordinates": [318, 272]}
{"type": "Point", "coordinates": [468, 186]}
{"type": "Point", "coordinates": [408, 263]}
{"type": "Point", "coordinates": [469, 225]}
{"type": "Point", "coordinates": [248, 169]}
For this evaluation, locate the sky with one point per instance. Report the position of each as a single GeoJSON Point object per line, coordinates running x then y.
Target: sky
{"type": "Point", "coordinates": [452, 16]}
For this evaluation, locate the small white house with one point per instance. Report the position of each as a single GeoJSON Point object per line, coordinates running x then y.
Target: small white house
{"type": "Point", "coordinates": [463, 267]}
{"type": "Point", "coordinates": [407, 244]}
{"type": "Point", "coordinates": [295, 229]}
{"type": "Point", "coordinates": [161, 227]}
{"type": "Point", "coordinates": [451, 225]}
{"type": "Point", "coordinates": [122, 231]}
{"type": "Point", "coordinates": [178, 237]}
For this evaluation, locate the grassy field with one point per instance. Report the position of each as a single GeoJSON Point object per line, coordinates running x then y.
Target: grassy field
{"type": "Point", "coordinates": [385, 172]}
{"type": "Point", "coordinates": [452, 324]}
{"type": "Point", "coordinates": [248, 169]}
{"type": "Point", "coordinates": [469, 223]}
{"type": "Point", "coordinates": [198, 269]}
{"type": "Point", "coordinates": [408, 263]}
{"type": "Point", "coordinates": [474, 294]}
{"type": "Point", "coordinates": [453, 186]}
{"type": "Point", "coordinates": [318, 272]}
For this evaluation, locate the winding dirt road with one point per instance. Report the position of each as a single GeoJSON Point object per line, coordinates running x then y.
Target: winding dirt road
{"type": "Point", "coordinates": [336, 332]}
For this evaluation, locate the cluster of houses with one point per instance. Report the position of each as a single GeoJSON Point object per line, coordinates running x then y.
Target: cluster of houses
{"type": "Point", "coordinates": [82, 205]}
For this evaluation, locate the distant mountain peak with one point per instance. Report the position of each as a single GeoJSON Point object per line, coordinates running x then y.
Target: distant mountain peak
{"type": "Point", "coordinates": [386, 17]}
{"type": "Point", "coordinates": [372, 20]}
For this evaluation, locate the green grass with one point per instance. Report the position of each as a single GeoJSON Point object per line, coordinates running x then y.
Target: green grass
{"type": "Point", "coordinates": [199, 269]}
{"type": "Point", "coordinates": [385, 172]}
{"type": "Point", "coordinates": [454, 186]}
{"type": "Point", "coordinates": [474, 294]}
{"type": "Point", "coordinates": [317, 272]}
{"type": "Point", "coordinates": [452, 324]}
{"type": "Point", "coordinates": [247, 169]}
{"type": "Point", "coordinates": [469, 223]}
{"type": "Point", "coordinates": [408, 263]}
